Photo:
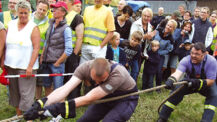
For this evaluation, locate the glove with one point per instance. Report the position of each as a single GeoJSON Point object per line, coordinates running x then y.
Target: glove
{"type": "Point", "coordinates": [169, 82]}
{"type": "Point", "coordinates": [33, 112]}
{"type": "Point", "coordinates": [197, 84]}
{"type": "Point", "coordinates": [66, 109]}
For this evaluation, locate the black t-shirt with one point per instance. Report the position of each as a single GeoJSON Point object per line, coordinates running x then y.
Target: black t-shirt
{"type": "Point", "coordinates": [125, 30]}
{"type": "Point", "coordinates": [132, 53]}
{"type": "Point", "coordinates": [76, 21]}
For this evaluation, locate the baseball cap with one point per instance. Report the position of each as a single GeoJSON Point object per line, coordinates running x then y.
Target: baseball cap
{"type": "Point", "coordinates": [59, 4]}
{"type": "Point", "coordinates": [77, 2]}
{"type": "Point", "coordinates": [177, 14]}
{"type": "Point", "coordinates": [187, 41]}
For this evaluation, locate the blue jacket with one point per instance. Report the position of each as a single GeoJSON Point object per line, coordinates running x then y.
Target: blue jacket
{"type": "Point", "coordinates": [166, 43]}
{"type": "Point", "coordinates": [122, 55]}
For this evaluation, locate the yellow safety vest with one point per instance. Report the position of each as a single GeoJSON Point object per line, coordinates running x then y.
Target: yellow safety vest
{"type": "Point", "coordinates": [69, 18]}
{"type": "Point", "coordinates": [7, 18]}
{"type": "Point", "coordinates": [94, 21]}
{"type": "Point", "coordinates": [43, 29]}
{"type": "Point", "coordinates": [214, 38]}
{"type": "Point", "coordinates": [49, 14]}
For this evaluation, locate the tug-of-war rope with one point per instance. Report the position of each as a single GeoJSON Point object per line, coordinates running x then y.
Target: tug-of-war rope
{"type": "Point", "coordinates": [120, 97]}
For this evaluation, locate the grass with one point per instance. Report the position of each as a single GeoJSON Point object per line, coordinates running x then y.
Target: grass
{"type": "Point", "coordinates": [189, 110]}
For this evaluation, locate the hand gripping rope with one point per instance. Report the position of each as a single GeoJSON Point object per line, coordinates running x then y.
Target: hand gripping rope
{"type": "Point", "coordinates": [116, 98]}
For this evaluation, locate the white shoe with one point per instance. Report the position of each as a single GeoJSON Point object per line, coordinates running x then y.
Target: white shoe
{"type": "Point", "coordinates": [57, 119]}
{"type": "Point", "coordinates": [17, 120]}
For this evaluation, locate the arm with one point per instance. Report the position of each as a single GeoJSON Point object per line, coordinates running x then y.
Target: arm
{"type": "Point", "coordinates": [35, 37]}
{"type": "Point", "coordinates": [68, 47]}
{"type": "Point", "coordinates": [177, 74]}
{"type": "Point", "coordinates": [62, 92]}
{"type": "Point", "coordinates": [2, 41]}
{"type": "Point", "coordinates": [209, 37]}
{"type": "Point", "coordinates": [95, 94]}
{"type": "Point", "coordinates": [107, 38]}
{"type": "Point", "coordinates": [79, 31]}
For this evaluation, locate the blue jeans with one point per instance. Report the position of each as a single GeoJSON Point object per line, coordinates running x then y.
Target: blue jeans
{"type": "Point", "coordinates": [134, 69]}
{"type": "Point", "coordinates": [49, 68]}
{"type": "Point", "coordinates": [147, 80]}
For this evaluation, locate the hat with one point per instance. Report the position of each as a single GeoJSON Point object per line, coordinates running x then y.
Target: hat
{"type": "Point", "coordinates": [187, 41]}
{"type": "Point", "coordinates": [77, 2]}
{"type": "Point", "coordinates": [177, 14]}
{"type": "Point", "coordinates": [59, 4]}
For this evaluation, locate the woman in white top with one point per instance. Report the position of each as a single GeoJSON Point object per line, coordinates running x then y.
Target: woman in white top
{"type": "Point", "coordinates": [2, 41]}
{"type": "Point", "coordinates": [22, 47]}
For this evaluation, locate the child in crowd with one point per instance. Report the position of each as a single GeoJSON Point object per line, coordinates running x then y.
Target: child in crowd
{"type": "Point", "coordinates": [151, 65]}
{"type": "Point", "coordinates": [184, 49]}
{"type": "Point", "coordinates": [114, 52]}
{"type": "Point", "coordinates": [133, 50]}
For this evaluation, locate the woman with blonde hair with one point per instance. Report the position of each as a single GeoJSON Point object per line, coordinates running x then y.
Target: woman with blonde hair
{"type": "Point", "coordinates": [164, 36]}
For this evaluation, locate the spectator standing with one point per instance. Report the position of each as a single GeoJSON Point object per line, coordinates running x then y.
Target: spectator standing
{"type": "Point", "coordinates": [143, 25]}
{"type": "Point", "coordinates": [202, 29]}
{"type": "Point", "coordinates": [99, 28]}
{"type": "Point", "coordinates": [39, 17]}
{"type": "Point", "coordinates": [164, 36]}
{"type": "Point", "coordinates": [9, 15]}
{"type": "Point", "coordinates": [22, 47]}
{"type": "Point", "coordinates": [2, 42]}
{"type": "Point", "coordinates": [57, 48]}
{"type": "Point", "coordinates": [76, 6]}
{"type": "Point", "coordinates": [157, 19]}
{"type": "Point", "coordinates": [75, 21]}
{"type": "Point", "coordinates": [184, 49]}
{"type": "Point", "coordinates": [122, 22]}
{"type": "Point", "coordinates": [133, 51]}
{"type": "Point", "coordinates": [181, 9]}
{"type": "Point", "coordinates": [114, 52]}
{"type": "Point", "coordinates": [151, 65]}
{"type": "Point", "coordinates": [212, 19]}
{"type": "Point", "coordinates": [120, 6]}
{"type": "Point", "coordinates": [187, 17]}
{"type": "Point", "coordinates": [196, 13]}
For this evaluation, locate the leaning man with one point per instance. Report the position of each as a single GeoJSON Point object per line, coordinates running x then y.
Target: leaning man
{"type": "Point", "coordinates": [110, 79]}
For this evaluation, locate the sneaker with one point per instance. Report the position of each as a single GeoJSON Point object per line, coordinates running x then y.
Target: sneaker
{"type": "Point", "coordinates": [17, 120]}
{"type": "Point", "coordinates": [57, 119]}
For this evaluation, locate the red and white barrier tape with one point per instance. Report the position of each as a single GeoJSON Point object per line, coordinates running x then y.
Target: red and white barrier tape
{"type": "Point", "coordinates": [36, 75]}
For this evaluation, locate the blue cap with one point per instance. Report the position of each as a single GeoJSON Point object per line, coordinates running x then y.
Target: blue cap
{"type": "Point", "coordinates": [187, 41]}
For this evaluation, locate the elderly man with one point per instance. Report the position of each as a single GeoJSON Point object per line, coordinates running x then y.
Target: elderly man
{"type": "Point", "coordinates": [7, 16]}
{"type": "Point", "coordinates": [157, 19]}
{"type": "Point", "coordinates": [120, 6]}
{"type": "Point", "coordinates": [109, 79]}
{"type": "Point", "coordinates": [57, 48]}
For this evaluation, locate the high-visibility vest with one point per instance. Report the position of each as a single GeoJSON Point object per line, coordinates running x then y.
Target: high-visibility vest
{"type": "Point", "coordinates": [214, 38]}
{"type": "Point", "coordinates": [69, 18]}
{"type": "Point", "coordinates": [94, 24]}
{"type": "Point", "coordinates": [43, 29]}
{"type": "Point", "coordinates": [7, 18]}
{"type": "Point", "coordinates": [49, 14]}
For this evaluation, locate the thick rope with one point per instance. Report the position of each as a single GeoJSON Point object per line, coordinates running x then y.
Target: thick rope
{"type": "Point", "coordinates": [108, 99]}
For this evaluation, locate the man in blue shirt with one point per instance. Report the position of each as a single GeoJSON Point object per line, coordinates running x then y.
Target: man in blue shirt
{"type": "Point", "coordinates": [201, 70]}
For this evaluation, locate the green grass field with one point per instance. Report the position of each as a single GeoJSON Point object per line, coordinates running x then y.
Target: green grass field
{"type": "Point", "coordinates": [190, 109]}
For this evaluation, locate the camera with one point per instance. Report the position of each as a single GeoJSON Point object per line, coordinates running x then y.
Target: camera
{"type": "Point", "coordinates": [185, 32]}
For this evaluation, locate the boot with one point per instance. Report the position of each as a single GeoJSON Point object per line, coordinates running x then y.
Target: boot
{"type": "Point", "coordinates": [161, 120]}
